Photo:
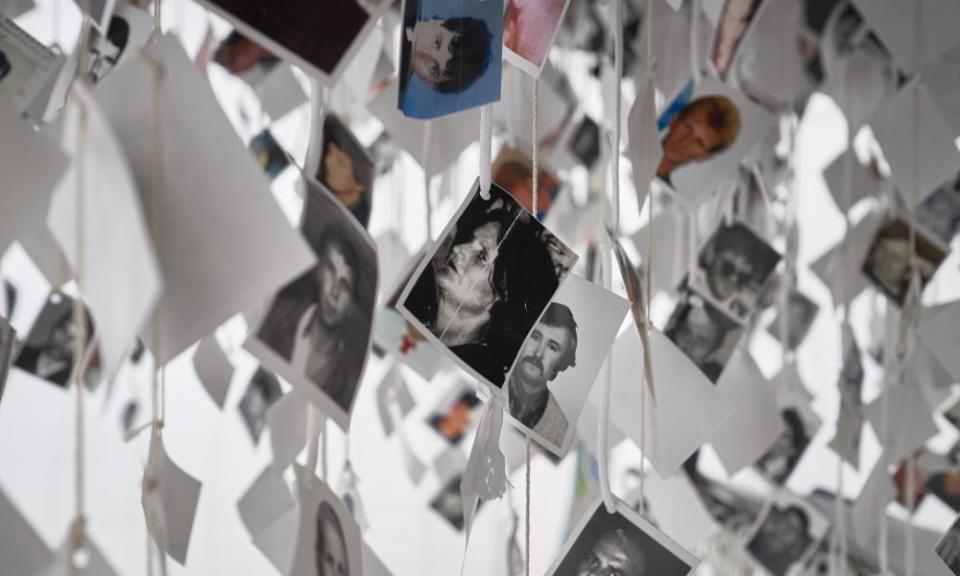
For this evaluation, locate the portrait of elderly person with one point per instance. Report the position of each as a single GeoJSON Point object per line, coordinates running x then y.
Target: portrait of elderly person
{"type": "Point", "coordinates": [486, 284]}
{"type": "Point", "coordinates": [550, 349]}
{"type": "Point", "coordinates": [705, 127]}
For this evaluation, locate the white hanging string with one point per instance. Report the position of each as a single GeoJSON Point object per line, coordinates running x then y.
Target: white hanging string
{"type": "Point", "coordinates": [425, 153]}
{"type": "Point", "coordinates": [526, 539]}
{"type": "Point", "coordinates": [535, 174]}
{"type": "Point", "coordinates": [486, 143]}
{"type": "Point", "coordinates": [617, 105]}
{"type": "Point", "coordinates": [695, 72]}
{"type": "Point", "coordinates": [604, 420]}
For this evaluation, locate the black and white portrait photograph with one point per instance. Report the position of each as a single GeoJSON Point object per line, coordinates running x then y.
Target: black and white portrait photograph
{"type": "Point", "coordinates": [559, 361]}
{"type": "Point", "coordinates": [318, 37]}
{"type": "Point", "coordinates": [128, 28]}
{"type": "Point", "coordinates": [801, 312]}
{"type": "Point", "coordinates": [457, 412]}
{"type": "Point", "coordinates": [705, 334]}
{"type": "Point", "coordinates": [584, 143]}
{"type": "Point", "coordinates": [780, 460]}
{"type": "Point", "coordinates": [448, 503]}
{"type": "Point", "coordinates": [316, 332]}
{"type": "Point", "coordinates": [8, 337]}
{"type": "Point", "coordinates": [948, 548]}
{"type": "Point", "coordinates": [621, 543]}
{"type": "Point", "coordinates": [485, 282]}
{"type": "Point", "coordinates": [48, 351]}
{"type": "Point", "coordinates": [939, 213]}
{"type": "Point", "coordinates": [888, 263]}
{"type": "Point", "coordinates": [346, 168]}
{"type": "Point", "coordinates": [262, 391]}
{"type": "Point", "coordinates": [787, 533]}
{"type": "Point", "coordinates": [732, 268]}
{"type": "Point", "coordinates": [329, 542]}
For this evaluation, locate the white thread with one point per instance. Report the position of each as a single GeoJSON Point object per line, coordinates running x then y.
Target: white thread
{"type": "Point", "coordinates": [604, 420]}
{"type": "Point", "coordinates": [486, 143]}
{"type": "Point", "coordinates": [536, 145]}
{"type": "Point", "coordinates": [617, 98]}
{"type": "Point", "coordinates": [527, 512]}
{"type": "Point", "coordinates": [313, 441]}
{"type": "Point", "coordinates": [425, 152]}
{"type": "Point", "coordinates": [695, 71]}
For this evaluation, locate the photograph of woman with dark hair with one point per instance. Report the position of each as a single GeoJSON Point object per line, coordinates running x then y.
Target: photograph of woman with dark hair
{"type": "Point", "coordinates": [346, 169]}
{"type": "Point", "coordinates": [449, 56]}
{"type": "Point", "coordinates": [489, 279]}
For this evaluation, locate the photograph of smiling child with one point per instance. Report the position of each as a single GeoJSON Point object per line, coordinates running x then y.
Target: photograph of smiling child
{"type": "Point", "coordinates": [450, 56]}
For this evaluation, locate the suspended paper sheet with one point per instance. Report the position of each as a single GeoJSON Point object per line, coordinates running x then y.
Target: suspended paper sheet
{"type": "Point", "coordinates": [328, 538]}
{"type": "Point", "coordinates": [99, 10]}
{"type": "Point", "coordinates": [678, 509]}
{"type": "Point", "coordinates": [756, 422]}
{"type": "Point", "coordinates": [839, 267]}
{"type": "Point", "coordinates": [16, 8]}
{"type": "Point", "coordinates": [127, 30]}
{"type": "Point", "coordinates": [481, 319]}
{"type": "Point", "coordinates": [278, 541]}
{"type": "Point", "coordinates": [213, 368]}
{"type": "Point", "coordinates": [940, 332]}
{"type": "Point", "coordinates": [620, 542]}
{"type": "Point", "coordinates": [22, 549]}
{"type": "Point", "coordinates": [894, 22]}
{"type": "Point", "coordinates": [171, 508]}
{"type": "Point", "coordinates": [393, 396]}
{"type": "Point", "coordinates": [215, 261]}
{"type": "Point", "coordinates": [32, 165]}
{"type": "Point", "coordinates": [287, 420]}
{"type": "Point", "coordinates": [688, 411]}
{"type": "Point", "coordinates": [937, 157]}
{"type": "Point", "coordinates": [315, 333]}
{"type": "Point", "coordinates": [121, 280]}
{"type": "Point", "coordinates": [450, 56]}
{"type": "Point", "coordinates": [434, 144]}
{"type": "Point", "coordinates": [266, 500]}
{"type": "Point", "coordinates": [849, 181]}
{"type": "Point", "coordinates": [645, 151]}
{"type": "Point", "coordinates": [529, 29]}
{"type": "Point", "coordinates": [280, 92]}
{"type": "Point", "coordinates": [319, 38]}
{"type": "Point", "coordinates": [7, 339]}
{"type": "Point", "coordinates": [909, 420]}
{"type": "Point", "coordinates": [559, 361]}
{"type": "Point", "coordinates": [26, 66]}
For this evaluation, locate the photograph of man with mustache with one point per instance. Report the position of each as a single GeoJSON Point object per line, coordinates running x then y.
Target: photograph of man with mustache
{"type": "Point", "coordinates": [550, 349]}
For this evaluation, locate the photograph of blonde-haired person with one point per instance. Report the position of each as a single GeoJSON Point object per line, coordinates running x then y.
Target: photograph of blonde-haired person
{"type": "Point", "coordinates": [705, 127]}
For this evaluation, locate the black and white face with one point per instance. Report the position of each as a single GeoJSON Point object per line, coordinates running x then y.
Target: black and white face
{"type": "Point", "coordinates": [336, 282]}
{"type": "Point", "coordinates": [465, 276]}
{"type": "Point", "coordinates": [608, 558]}
{"type": "Point", "coordinates": [542, 354]}
{"type": "Point", "coordinates": [784, 531]}
{"type": "Point", "coordinates": [728, 272]}
{"type": "Point", "coordinates": [698, 336]}
{"type": "Point", "coordinates": [331, 552]}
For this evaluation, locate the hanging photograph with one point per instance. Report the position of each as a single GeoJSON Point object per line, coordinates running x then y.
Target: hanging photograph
{"type": "Point", "coordinates": [706, 131]}
{"type": "Point", "coordinates": [786, 534]}
{"type": "Point", "coordinates": [47, 352]}
{"type": "Point", "coordinates": [939, 213]}
{"type": "Point", "coordinates": [244, 58]}
{"type": "Point", "coordinates": [948, 548]}
{"type": "Point", "coordinates": [512, 170]}
{"type": "Point", "coordinates": [448, 503]}
{"type": "Point", "coordinates": [262, 391]}
{"type": "Point", "coordinates": [485, 282]}
{"type": "Point", "coordinates": [269, 154]}
{"type": "Point", "coordinates": [736, 16]}
{"type": "Point", "coordinates": [620, 543]}
{"type": "Point", "coordinates": [128, 29]}
{"type": "Point", "coordinates": [8, 337]}
{"type": "Point", "coordinates": [705, 334]}
{"type": "Point", "coordinates": [26, 65]}
{"type": "Point", "coordinates": [344, 166]}
{"type": "Point", "coordinates": [801, 312]}
{"type": "Point", "coordinates": [316, 332]}
{"type": "Point", "coordinates": [529, 28]}
{"type": "Point", "coordinates": [319, 37]}
{"type": "Point", "coordinates": [329, 542]}
{"type": "Point", "coordinates": [450, 56]}
{"type": "Point", "coordinates": [780, 460]}
{"type": "Point", "coordinates": [888, 263]}
{"type": "Point", "coordinates": [732, 268]}
{"type": "Point", "coordinates": [559, 361]}
{"type": "Point", "coordinates": [456, 414]}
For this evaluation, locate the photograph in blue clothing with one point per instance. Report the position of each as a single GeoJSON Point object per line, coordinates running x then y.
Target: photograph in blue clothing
{"type": "Point", "coordinates": [450, 57]}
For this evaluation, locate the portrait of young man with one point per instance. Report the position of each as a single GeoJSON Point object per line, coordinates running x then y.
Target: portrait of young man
{"type": "Point", "coordinates": [732, 268]}
{"type": "Point", "coordinates": [783, 539]}
{"type": "Point", "coordinates": [331, 545]}
{"type": "Point", "coordinates": [317, 329]}
{"type": "Point", "coordinates": [615, 544]}
{"type": "Point", "coordinates": [779, 461]}
{"type": "Point", "coordinates": [106, 50]}
{"type": "Point", "coordinates": [489, 276]}
{"type": "Point", "coordinates": [705, 127]}
{"type": "Point", "coordinates": [450, 56]}
{"type": "Point", "coordinates": [550, 349]}
{"type": "Point", "coordinates": [261, 393]}
{"type": "Point", "coordinates": [703, 333]}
